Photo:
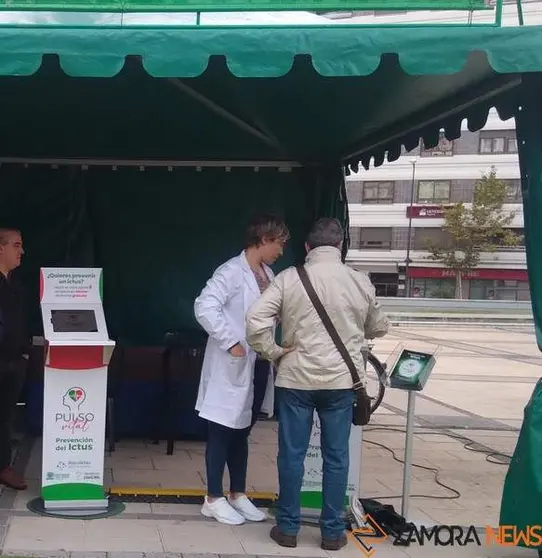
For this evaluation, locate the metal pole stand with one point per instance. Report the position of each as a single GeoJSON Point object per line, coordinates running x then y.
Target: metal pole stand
{"type": "Point", "coordinates": [409, 441]}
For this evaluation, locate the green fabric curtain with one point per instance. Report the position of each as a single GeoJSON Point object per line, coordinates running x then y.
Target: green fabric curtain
{"type": "Point", "coordinates": [158, 234]}
{"type": "Point", "coordinates": [521, 503]}
{"type": "Point", "coordinates": [50, 207]}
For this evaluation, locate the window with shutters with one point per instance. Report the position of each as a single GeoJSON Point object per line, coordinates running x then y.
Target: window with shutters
{"type": "Point", "coordinates": [377, 192]}
{"type": "Point", "coordinates": [498, 141]}
{"type": "Point", "coordinates": [513, 191]}
{"type": "Point", "coordinates": [434, 191]}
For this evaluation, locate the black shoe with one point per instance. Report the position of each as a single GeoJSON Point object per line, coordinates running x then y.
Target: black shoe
{"type": "Point", "coordinates": [334, 544]}
{"type": "Point", "coordinates": [288, 541]}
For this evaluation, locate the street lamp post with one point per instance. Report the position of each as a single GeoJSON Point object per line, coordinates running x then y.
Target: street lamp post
{"type": "Point", "coordinates": [413, 162]}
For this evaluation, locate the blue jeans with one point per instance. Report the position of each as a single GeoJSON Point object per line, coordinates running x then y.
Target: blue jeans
{"type": "Point", "coordinates": [295, 415]}
{"type": "Point", "coordinates": [229, 446]}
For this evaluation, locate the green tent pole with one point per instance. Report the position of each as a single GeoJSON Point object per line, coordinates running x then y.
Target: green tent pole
{"type": "Point", "coordinates": [498, 17]}
{"type": "Point", "coordinates": [529, 139]}
{"type": "Point", "coordinates": [520, 12]}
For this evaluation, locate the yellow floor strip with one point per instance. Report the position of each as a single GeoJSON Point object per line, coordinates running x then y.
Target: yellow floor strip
{"type": "Point", "coordinates": [142, 491]}
{"type": "Point", "coordinates": [179, 492]}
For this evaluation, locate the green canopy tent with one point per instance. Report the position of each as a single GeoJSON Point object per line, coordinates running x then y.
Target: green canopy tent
{"type": "Point", "coordinates": [143, 151]}
{"type": "Point", "coordinates": [297, 105]}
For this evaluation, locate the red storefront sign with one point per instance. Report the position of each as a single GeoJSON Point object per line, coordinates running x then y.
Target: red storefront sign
{"type": "Point", "coordinates": [491, 274]}
{"type": "Point", "coordinates": [425, 211]}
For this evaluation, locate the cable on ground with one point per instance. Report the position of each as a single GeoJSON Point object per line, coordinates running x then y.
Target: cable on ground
{"type": "Point", "coordinates": [470, 445]}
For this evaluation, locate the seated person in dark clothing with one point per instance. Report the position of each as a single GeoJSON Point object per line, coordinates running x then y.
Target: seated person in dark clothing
{"type": "Point", "coordinates": [14, 347]}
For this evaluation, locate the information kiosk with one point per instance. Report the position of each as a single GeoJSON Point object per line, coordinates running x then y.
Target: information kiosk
{"type": "Point", "coordinates": [75, 385]}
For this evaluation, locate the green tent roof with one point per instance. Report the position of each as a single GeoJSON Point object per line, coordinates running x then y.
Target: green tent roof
{"type": "Point", "coordinates": [315, 96]}
{"type": "Point", "coordinates": [356, 93]}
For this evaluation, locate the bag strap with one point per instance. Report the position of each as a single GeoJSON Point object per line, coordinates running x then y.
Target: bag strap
{"type": "Point", "coordinates": [328, 324]}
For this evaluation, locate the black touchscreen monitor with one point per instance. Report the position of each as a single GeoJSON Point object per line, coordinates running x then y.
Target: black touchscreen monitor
{"type": "Point", "coordinates": [74, 321]}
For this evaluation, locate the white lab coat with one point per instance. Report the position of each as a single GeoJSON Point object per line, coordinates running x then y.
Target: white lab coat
{"type": "Point", "coordinates": [226, 388]}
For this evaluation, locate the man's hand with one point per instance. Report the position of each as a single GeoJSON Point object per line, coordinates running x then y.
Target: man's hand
{"type": "Point", "coordinates": [285, 350]}
{"type": "Point", "coordinates": [238, 351]}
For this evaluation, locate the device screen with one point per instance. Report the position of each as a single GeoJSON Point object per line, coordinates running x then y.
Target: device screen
{"type": "Point", "coordinates": [74, 321]}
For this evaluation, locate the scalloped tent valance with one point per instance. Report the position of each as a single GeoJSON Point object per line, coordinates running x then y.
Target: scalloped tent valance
{"type": "Point", "coordinates": [261, 52]}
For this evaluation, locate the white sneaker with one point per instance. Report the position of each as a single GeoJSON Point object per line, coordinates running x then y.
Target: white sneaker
{"type": "Point", "coordinates": [247, 509]}
{"type": "Point", "coordinates": [222, 512]}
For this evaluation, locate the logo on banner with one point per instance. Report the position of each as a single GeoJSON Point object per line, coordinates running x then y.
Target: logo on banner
{"type": "Point", "coordinates": [74, 398]}
{"type": "Point", "coordinates": [75, 419]}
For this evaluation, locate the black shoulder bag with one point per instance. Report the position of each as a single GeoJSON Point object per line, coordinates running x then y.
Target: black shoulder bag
{"type": "Point", "coordinates": [362, 404]}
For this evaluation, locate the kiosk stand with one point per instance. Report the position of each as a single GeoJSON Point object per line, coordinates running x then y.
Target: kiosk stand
{"type": "Point", "coordinates": [410, 371]}
{"type": "Point", "coordinates": [75, 391]}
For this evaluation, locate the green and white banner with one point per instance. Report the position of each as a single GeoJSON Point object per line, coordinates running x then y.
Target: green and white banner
{"type": "Point", "coordinates": [74, 434]}
{"type": "Point", "coordinates": [75, 389]}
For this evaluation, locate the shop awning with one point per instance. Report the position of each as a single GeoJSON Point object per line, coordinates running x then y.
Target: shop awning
{"type": "Point", "coordinates": [319, 93]}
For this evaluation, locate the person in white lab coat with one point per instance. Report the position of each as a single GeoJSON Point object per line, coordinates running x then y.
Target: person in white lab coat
{"type": "Point", "coordinates": [235, 384]}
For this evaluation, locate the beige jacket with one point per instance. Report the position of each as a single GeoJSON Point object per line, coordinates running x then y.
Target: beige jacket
{"type": "Point", "coordinates": [349, 298]}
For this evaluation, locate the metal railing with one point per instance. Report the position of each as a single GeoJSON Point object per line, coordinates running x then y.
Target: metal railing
{"type": "Point", "coordinates": [452, 305]}
{"type": "Point", "coordinates": [510, 249]}
{"type": "Point", "coordinates": [199, 7]}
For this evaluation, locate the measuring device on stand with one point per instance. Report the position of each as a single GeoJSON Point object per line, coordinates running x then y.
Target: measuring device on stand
{"type": "Point", "coordinates": [409, 371]}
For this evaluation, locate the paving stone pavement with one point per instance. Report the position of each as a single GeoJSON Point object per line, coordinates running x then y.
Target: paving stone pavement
{"type": "Point", "coordinates": [166, 539]}
{"type": "Point", "coordinates": [477, 392]}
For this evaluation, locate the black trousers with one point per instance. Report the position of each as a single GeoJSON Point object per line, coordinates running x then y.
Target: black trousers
{"type": "Point", "coordinates": [229, 446]}
{"type": "Point", "coordinates": [12, 378]}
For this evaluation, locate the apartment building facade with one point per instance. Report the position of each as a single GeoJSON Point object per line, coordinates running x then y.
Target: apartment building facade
{"type": "Point", "coordinates": [380, 199]}
{"type": "Point", "coordinates": [381, 213]}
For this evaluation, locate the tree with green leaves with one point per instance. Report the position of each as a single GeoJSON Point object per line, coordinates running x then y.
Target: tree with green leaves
{"type": "Point", "coordinates": [483, 226]}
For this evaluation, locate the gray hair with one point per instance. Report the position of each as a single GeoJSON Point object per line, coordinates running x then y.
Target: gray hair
{"type": "Point", "coordinates": [326, 232]}
{"type": "Point", "coordinates": [5, 233]}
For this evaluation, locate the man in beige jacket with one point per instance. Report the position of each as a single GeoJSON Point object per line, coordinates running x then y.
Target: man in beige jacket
{"type": "Point", "coordinates": [312, 374]}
